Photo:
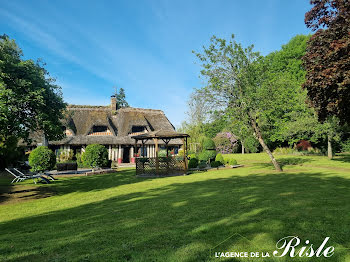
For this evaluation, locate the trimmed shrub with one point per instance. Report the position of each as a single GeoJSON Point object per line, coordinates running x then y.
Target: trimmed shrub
{"type": "Point", "coordinates": [203, 156]}
{"type": "Point", "coordinates": [233, 162]}
{"type": "Point", "coordinates": [202, 164]}
{"type": "Point", "coordinates": [215, 164]}
{"type": "Point", "coordinates": [228, 158]}
{"type": "Point", "coordinates": [219, 158]}
{"type": "Point", "coordinates": [207, 155]}
{"type": "Point", "coordinates": [95, 156]}
{"type": "Point", "coordinates": [193, 163]}
{"type": "Point", "coordinates": [192, 156]}
{"type": "Point", "coordinates": [208, 144]}
{"type": "Point", "coordinates": [41, 159]}
{"type": "Point", "coordinates": [211, 154]}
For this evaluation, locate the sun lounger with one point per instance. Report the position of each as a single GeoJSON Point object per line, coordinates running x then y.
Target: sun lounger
{"type": "Point", "coordinates": [46, 174]}
{"type": "Point", "coordinates": [19, 176]}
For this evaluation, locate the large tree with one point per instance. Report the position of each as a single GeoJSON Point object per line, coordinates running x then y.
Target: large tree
{"type": "Point", "coordinates": [284, 72]}
{"type": "Point", "coordinates": [235, 77]}
{"type": "Point", "coordinates": [327, 60]}
{"type": "Point", "coordinates": [297, 120]}
{"type": "Point", "coordinates": [29, 99]}
{"type": "Point", "coordinates": [121, 98]}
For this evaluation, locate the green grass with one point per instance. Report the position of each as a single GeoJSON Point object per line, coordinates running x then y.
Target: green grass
{"type": "Point", "coordinates": [118, 217]}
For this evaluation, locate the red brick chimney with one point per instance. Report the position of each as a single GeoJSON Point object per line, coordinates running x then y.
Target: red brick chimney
{"type": "Point", "coordinates": [114, 103]}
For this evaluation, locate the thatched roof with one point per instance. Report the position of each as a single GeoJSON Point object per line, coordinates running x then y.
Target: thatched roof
{"type": "Point", "coordinates": [81, 119]}
{"type": "Point", "coordinates": [160, 134]}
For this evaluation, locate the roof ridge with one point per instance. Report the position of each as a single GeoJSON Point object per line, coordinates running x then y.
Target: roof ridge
{"type": "Point", "coordinates": [88, 109]}
{"type": "Point", "coordinates": [107, 108]}
{"type": "Point", "coordinates": [140, 109]}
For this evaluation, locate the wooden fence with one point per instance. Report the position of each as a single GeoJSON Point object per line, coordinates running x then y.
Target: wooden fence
{"type": "Point", "coordinates": [163, 167]}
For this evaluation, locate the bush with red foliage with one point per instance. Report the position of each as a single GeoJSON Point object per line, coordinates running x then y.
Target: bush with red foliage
{"type": "Point", "coordinates": [303, 145]}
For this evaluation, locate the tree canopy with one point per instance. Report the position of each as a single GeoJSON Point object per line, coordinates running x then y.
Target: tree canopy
{"type": "Point", "coordinates": [235, 85]}
{"type": "Point", "coordinates": [29, 99]}
{"type": "Point", "coordinates": [327, 60]}
{"type": "Point", "coordinates": [278, 101]}
{"type": "Point", "coordinates": [121, 98]}
{"type": "Point", "coordinates": [285, 75]}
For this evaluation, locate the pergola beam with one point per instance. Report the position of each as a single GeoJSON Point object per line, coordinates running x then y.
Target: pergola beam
{"type": "Point", "coordinates": [157, 158]}
{"type": "Point", "coordinates": [166, 137]}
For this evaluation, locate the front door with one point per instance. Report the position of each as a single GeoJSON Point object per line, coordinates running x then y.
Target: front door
{"type": "Point", "coordinates": [126, 155]}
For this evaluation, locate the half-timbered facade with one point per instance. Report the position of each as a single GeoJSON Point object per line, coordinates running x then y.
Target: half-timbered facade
{"type": "Point", "coordinates": [113, 128]}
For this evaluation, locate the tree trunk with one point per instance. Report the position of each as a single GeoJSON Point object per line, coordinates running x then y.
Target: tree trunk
{"type": "Point", "coordinates": [330, 151]}
{"type": "Point", "coordinates": [242, 148]}
{"type": "Point", "coordinates": [262, 143]}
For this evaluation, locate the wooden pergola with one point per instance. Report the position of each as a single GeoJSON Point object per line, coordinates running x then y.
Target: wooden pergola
{"type": "Point", "coordinates": [155, 165]}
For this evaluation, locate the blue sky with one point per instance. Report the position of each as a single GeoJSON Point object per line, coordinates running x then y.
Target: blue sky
{"type": "Point", "coordinates": [143, 46]}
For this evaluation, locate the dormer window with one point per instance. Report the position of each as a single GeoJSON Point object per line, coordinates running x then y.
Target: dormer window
{"type": "Point", "coordinates": [66, 131]}
{"type": "Point", "coordinates": [100, 131]}
{"type": "Point", "coordinates": [138, 129]}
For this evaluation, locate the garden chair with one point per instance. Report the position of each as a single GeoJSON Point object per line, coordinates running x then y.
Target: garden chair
{"type": "Point", "coordinates": [19, 176]}
{"type": "Point", "coordinates": [46, 174]}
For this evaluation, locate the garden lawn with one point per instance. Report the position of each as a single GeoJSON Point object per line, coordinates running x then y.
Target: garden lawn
{"type": "Point", "coordinates": [118, 217]}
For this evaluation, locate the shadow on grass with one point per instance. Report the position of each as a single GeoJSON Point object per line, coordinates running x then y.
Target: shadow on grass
{"type": "Point", "coordinates": [95, 182]}
{"type": "Point", "coordinates": [5, 187]}
{"type": "Point", "coordinates": [64, 185]}
{"type": "Point", "coordinates": [287, 161]}
{"type": "Point", "coordinates": [10, 193]}
{"type": "Point", "coordinates": [344, 157]}
{"type": "Point", "coordinates": [182, 221]}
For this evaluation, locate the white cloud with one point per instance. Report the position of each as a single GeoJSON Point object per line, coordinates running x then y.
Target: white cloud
{"type": "Point", "coordinates": [51, 43]}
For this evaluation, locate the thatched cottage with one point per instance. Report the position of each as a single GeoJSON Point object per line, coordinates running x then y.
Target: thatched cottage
{"type": "Point", "coordinates": [113, 128]}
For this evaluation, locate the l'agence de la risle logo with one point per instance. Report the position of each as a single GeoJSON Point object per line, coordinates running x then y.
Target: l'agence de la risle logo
{"type": "Point", "coordinates": [288, 246]}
